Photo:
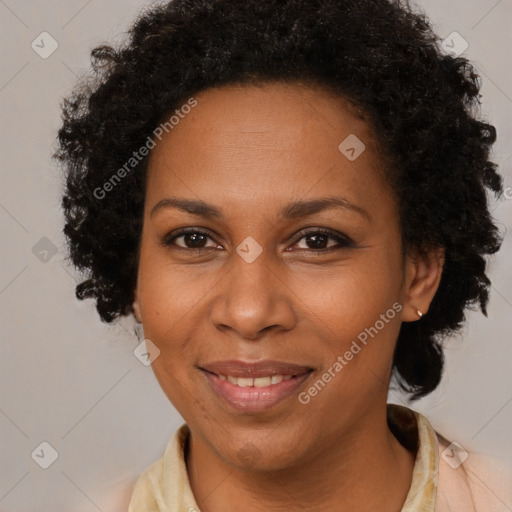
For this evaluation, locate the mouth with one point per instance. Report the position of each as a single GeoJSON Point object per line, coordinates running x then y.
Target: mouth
{"type": "Point", "coordinates": [254, 387]}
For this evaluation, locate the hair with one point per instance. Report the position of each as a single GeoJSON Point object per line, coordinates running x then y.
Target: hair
{"type": "Point", "coordinates": [381, 55]}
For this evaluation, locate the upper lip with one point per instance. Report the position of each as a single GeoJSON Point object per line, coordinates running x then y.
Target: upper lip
{"type": "Point", "coordinates": [254, 370]}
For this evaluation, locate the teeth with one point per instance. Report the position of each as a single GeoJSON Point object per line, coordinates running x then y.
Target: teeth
{"type": "Point", "coordinates": [245, 383]}
{"type": "Point", "coordinates": [259, 382]}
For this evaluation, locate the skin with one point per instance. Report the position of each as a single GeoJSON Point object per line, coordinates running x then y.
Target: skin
{"type": "Point", "coordinates": [249, 150]}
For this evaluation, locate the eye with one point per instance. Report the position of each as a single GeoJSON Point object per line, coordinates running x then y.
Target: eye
{"type": "Point", "coordinates": [193, 239]}
{"type": "Point", "coordinates": [318, 239]}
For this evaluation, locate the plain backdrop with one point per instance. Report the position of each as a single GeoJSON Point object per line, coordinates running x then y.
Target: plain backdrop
{"type": "Point", "coordinates": [72, 382]}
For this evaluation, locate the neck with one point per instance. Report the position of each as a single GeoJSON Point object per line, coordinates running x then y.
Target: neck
{"type": "Point", "coordinates": [367, 469]}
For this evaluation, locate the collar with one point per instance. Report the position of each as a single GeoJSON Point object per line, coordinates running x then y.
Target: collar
{"type": "Point", "coordinates": [415, 433]}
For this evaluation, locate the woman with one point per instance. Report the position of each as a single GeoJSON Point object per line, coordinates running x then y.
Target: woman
{"type": "Point", "coordinates": [290, 197]}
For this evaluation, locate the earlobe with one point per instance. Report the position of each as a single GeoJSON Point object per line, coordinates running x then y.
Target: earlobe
{"type": "Point", "coordinates": [423, 275]}
{"type": "Point", "coordinates": [136, 308]}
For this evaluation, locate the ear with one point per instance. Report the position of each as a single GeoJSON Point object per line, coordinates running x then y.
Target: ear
{"type": "Point", "coordinates": [423, 270]}
{"type": "Point", "coordinates": [136, 307]}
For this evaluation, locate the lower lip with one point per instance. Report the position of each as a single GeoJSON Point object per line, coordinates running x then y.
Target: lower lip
{"type": "Point", "coordinates": [252, 399]}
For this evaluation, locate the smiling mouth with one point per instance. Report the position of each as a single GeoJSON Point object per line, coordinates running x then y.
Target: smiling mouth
{"type": "Point", "coordinates": [253, 388]}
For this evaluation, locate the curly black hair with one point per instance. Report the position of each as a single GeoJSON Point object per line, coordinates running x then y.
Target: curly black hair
{"type": "Point", "coordinates": [381, 55]}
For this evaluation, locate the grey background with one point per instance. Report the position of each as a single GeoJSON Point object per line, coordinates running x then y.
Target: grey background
{"type": "Point", "coordinates": [74, 382]}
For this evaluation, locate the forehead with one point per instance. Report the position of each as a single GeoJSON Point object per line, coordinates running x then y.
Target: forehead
{"type": "Point", "coordinates": [272, 141]}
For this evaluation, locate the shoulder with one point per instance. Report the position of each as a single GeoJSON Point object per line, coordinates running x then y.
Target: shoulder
{"type": "Point", "coordinates": [471, 482]}
{"type": "Point", "coordinates": [119, 497]}
{"type": "Point", "coordinates": [140, 493]}
{"type": "Point", "coordinates": [164, 485]}
{"type": "Point", "coordinates": [115, 497]}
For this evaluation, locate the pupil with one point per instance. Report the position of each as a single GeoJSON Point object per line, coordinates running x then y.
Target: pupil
{"type": "Point", "coordinates": [318, 240]}
{"type": "Point", "coordinates": [195, 238]}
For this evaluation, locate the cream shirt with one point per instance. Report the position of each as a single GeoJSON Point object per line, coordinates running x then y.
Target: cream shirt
{"type": "Point", "coordinates": [443, 479]}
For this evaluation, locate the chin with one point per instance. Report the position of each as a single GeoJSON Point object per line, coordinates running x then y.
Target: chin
{"type": "Point", "coordinates": [261, 457]}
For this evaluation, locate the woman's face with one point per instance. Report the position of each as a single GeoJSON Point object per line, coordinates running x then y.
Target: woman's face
{"type": "Point", "coordinates": [257, 282]}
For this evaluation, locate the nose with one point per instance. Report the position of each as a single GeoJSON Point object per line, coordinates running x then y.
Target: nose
{"type": "Point", "coordinates": [253, 299]}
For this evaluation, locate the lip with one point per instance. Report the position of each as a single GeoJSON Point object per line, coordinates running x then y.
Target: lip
{"type": "Point", "coordinates": [252, 400]}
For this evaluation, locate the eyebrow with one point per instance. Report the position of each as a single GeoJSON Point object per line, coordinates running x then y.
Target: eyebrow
{"type": "Point", "coordinates": [293, 210]}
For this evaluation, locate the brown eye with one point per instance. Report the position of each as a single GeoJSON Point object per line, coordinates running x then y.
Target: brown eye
{"type": "Point", "coordinates": [192, 239]}
{"type": "Point", "coordinates": [318, 240]}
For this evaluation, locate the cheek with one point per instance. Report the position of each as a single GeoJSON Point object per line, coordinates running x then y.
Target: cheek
{"type": "Point", "coordinates": [356, 315]}
{"type": "Point", "coordinates": [168, 320]}
{"type": "Point", "coordinates": [169, 302]}
{"type": "Point", "coordinates": [351, 297]}
{"type": "Point", "coordinates": [170, 294]}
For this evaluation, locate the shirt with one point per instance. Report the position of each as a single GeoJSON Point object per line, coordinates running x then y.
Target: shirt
{"type": "Point", "coordinates": [445, 477]}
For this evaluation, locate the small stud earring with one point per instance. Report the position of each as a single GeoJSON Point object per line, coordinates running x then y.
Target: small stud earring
{"type": "Point", "coordinates": [420, 314]}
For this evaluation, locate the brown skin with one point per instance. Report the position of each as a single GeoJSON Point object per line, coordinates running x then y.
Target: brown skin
{"type": "Point", "coordinates": [249, 151]}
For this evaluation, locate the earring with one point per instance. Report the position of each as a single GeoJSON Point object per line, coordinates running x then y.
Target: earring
{"type": "Point", "coordinates": [420, 314]}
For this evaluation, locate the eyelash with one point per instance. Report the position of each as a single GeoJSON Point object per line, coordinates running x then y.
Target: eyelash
{"type": "Point", "coordinates": [344, 241]}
